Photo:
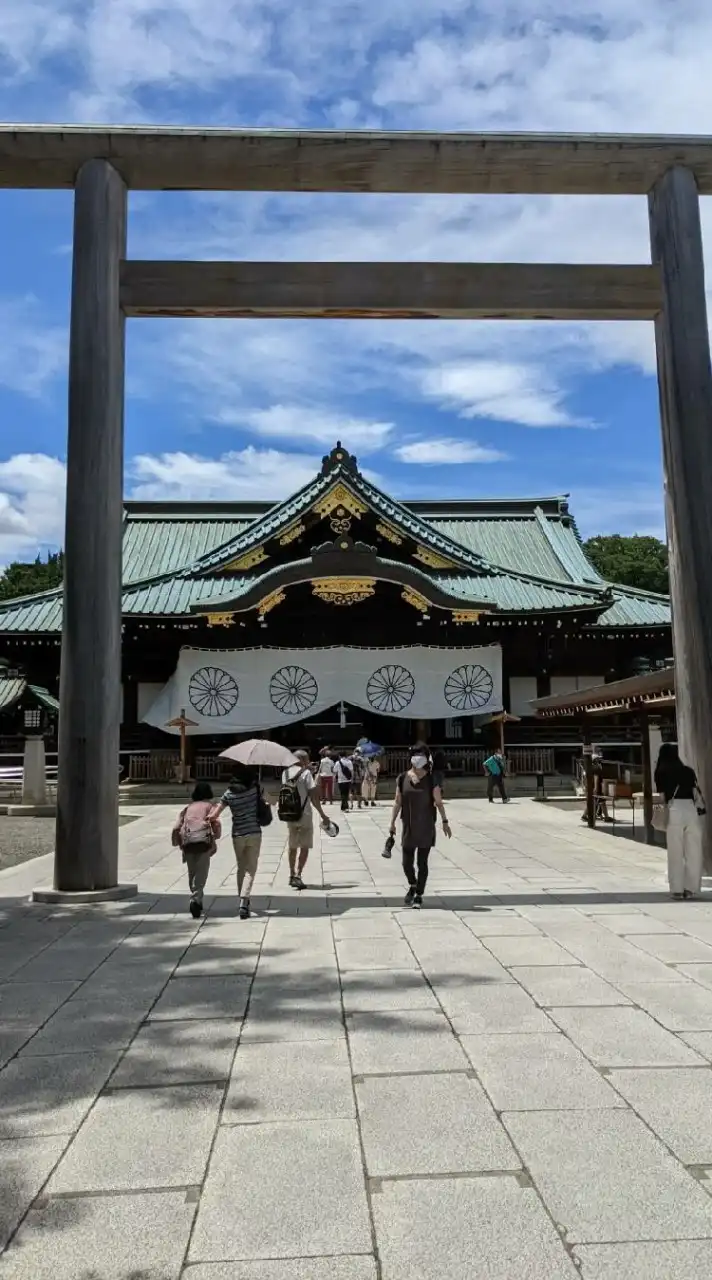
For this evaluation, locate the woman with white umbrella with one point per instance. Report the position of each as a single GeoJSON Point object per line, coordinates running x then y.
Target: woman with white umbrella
{"type": "Point", "coordinates": [250, 811]}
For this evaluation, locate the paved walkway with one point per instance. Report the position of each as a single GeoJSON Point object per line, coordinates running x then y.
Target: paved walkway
{"type": "Point", "coordinates": [512, 1084]}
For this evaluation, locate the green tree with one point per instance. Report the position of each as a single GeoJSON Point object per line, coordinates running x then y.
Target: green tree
{"type": "Point", "coordinates": [632, 561]}
{"type": "Point", "coordinates": [21, 579]}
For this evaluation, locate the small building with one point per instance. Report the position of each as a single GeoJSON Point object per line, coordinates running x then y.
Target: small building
{"type": "Point", "coordinates": [339, 565]}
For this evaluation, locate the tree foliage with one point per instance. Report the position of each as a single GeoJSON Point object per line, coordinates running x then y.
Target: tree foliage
{"type": "Point", "coordinates": [21, 579]}
{"type": "Point", "coordinates": [632, 561]}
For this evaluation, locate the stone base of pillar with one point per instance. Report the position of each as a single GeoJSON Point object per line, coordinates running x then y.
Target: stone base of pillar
{"type": "Point", "coordinates": [34, 780]}
{"type": "Point", "coordinates": [115, 894]}
{"type": "Point", "coordinates": [30, 810]}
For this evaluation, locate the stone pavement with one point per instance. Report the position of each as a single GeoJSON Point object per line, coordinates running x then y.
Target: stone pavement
{"type": "Point", "coordinates": [513, 1084]}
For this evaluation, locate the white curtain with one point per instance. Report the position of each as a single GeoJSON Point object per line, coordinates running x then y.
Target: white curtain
{"type": "Point", "coordinates": [235, 691]}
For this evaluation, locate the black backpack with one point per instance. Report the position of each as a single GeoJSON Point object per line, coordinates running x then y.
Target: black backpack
{"type": "Point", "coordinates": [290, 805]}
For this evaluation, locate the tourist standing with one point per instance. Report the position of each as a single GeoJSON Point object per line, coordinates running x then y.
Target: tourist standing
{"type": "Point", "coordinates": [369, 786]}
{"type": "Point", "coordinates": [344, 773]}
{"type": "Point", "coordinates": [495, 766]}
{"type": "Point", "coordinates": [678, 784]}
{"type": "Point", "coordinates": [326, 777]}
{"type": "Point", "coordinates": [418, 801]}
{"type": "Point", "coordinates": [359, 773]}
{"type": "Point", "coordinates": [196, 832]}
{"type": "Point", "coordinates": [297, 797]}
{"type": "Point", "coordinates": [243, 798]}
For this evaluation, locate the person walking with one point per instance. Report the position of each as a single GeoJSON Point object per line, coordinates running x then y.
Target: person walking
{"type": "Point", "coordinates": [325, 777]}
{"type": "Point", "coordinates": [677, 782]}
{"type": "Point", "coordinates": [244, 798]}
{"type": "Point", "coordinates": [418, 800]}
{"type": "Point", "coordinates": [495, 766]}
{"type": "Point", "coordinates": [298, 796]}
{"type": "Point", "coordinates": [344, 773]}
{"type": "Point", "coordinates": [196, 832]}
{"type": "Point", "coordinates": [369, 786]}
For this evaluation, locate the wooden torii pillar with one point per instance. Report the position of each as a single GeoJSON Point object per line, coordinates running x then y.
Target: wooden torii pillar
{"type": "Point", "coordinates": [685, 387]}
{"type": "Point", "coordinates": [86, 849]}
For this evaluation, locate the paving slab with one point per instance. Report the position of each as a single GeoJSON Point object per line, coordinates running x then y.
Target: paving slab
{"type": "Point", "coordinates": [375, 953]}
{"type": "Point", "coordinates": [271, 1019]}
{"type": "Point", "coordinates": [307, 1080]}
{"type": "Point", "coordinates": [202, 998]}
{"type": "Point", "coordinates": [102, 1238]}
{"type": "Point", "coordinates": [537, 1073]}
{"type": "Point", "coordinates": [43, 1096]}
{"type": "Point", "coordinates": [562, 985]}
{"type": "Point", "coordinates": [675, 948]}
{"type": "Point", "coordinates": [604, 1177]}
{"type": "Point", "coordinates": [32, 1003]}
{"type": "Point", "coordinates": [12, 1038]}
{"type": "Point", "coordinates": [635, 922]}
{"type": "Point", "coordinates": [90, 1026]}
{"type": "Point", "coordinates": [141, 1138]}
{"type": "Point", "coordinates": [207, 960]}
{"type": "Point", "coordinates": [377, 926]}
{"type": "Point", "coordinates": [486, 1228]}
{"type": "Point", "coordinates": [701, 973]}
{"type": "Point", "coordinates": [190, 1052]}
{"type": "Point", "coordinates": [676, 1104]}
{"type": "Point", "coordinates": [24, 1168]}
{"type": "Point", "coordinates": [623, 1037]}
{"type": "Point", "coordinates": [380, 990]}
{"type": "Point", "coordinates": [664, 1260]}
{"type": "Point", "coordinates": [283, 1191]}
{"type": "Point", "coordinates": [531, 951]}
{"type": "Point", "coordinates": [430, 1124]}
{"type": "Point", "coordinates": [493, 1007]}
{"type": "Point", "coordinates": [353, 1268]}
{"type": "Point", "coordinates": [677, 1006]}
{"type": "Point", "coordinates": [700, 1041]}
{"type": "Point", "coordinates": [398, 1040]}
{"type": "Point", "coordinates": [502, 926]}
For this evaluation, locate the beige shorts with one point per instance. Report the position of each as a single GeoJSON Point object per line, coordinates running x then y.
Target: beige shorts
{"type": "Point", "coordinates": [301, 834]}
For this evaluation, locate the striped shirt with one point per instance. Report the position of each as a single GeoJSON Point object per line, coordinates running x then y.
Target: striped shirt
{"type": "Point", "coordinates": [242, 803]}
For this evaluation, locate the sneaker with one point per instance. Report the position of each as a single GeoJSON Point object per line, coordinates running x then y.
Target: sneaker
{"type": "Point", "coordinates": [298, 883]}
{"type": "Point", "coordinates": [417, 901]}
{"type": "Point", "coordinates": [688, 894]}
{"type": "Point", "coordinates": [196, 908]}
{"type": "Point", "coordinates": [293, 881]}
{"type": "Point", "coordinates": [409, 897]}
{"type": "Point", "coordinates": [244, 908]}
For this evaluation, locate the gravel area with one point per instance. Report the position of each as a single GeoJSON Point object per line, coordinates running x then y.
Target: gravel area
{"type": "Point", "coordinates": [24, 838]}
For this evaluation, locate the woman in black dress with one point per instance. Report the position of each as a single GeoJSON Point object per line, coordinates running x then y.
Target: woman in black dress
{"type": "Point", "coordinates": [418, 800]}
{"type": "Point", "coordinates": [678, 784]}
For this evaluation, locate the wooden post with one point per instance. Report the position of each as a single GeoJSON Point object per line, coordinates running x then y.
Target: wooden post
{"type": "Point", "coordinates": [685, 386]}
{"type": "Point", "coordinates": [90, 686]}
{"type": "Point", "coordinates": [648, 830]}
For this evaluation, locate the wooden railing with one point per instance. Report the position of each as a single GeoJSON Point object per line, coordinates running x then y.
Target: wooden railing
{"type": "Point", "coordinates": [461, 761]}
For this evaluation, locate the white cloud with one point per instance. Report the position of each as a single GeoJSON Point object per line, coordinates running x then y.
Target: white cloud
{"type": "Point", "coordinates": [240, 474]}
{"type": "Point", "coordinates": [32, 353]}
{"type": "Point", "coordinates": [447, 452]}
{"type": "Point", "coordinates": [504, 392]}
{"type": "Point", "coordinates": [637, 508]}
{"type": "Point", "coordinates": [32, 488]}
{"type": "Point", "coordinates": [300, 423]}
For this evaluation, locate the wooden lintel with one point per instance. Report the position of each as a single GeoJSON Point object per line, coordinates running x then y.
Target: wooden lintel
{"type": "Point", "coordinates": [175, 159]}
{"type": "Point", "coordinates": [390, 290]}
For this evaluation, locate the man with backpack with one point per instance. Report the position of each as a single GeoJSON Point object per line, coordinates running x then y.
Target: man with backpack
{"type": "Point", "coordinates": [297, 797]}
{"type": "Point", "coordinates": [495, 766]}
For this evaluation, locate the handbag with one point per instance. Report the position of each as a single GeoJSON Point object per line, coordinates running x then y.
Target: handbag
{"type": "Point", "coordinates": [660, 820]}
{"type": "Point", "coordinates": [264, 810]}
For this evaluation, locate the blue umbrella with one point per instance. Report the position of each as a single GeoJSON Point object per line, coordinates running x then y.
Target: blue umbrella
{"type": "Point", "coordinates": [370, 748]}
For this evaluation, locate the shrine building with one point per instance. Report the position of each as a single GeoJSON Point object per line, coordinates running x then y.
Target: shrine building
{"type": "Point", "coordinates": [342, 612]}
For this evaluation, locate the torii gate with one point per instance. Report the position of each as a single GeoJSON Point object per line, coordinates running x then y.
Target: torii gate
{"type": "Point", "coordinates": [101, 164]}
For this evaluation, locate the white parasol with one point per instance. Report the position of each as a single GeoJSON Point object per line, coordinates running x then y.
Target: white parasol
{"type": "Point", "coordinates": [260, 752]}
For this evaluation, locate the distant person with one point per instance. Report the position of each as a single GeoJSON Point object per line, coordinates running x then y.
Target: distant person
{"type": "Point", "coordinates": [358, 765]}
{"type": "Point", "coordinates": [369, 786]}
{"type": "Point", "coordinates": [417, 800]}
{"type": "Point", "coordinates": [325, 777]}
{"type": "Point", "coordinates": [242, 798]}
{"type": "Point", "coordinates": [600, 807]}
{"type": "Point", "coordinates": [297, 797]}
{"type": "Point", "coordinates": [344, 774]}
{"type": "Point", "coordinates": [678, 784]}
{"type": "Point", "coordinates": [495, 766]}
{"type": "Point", "coordinates": [196, 832]}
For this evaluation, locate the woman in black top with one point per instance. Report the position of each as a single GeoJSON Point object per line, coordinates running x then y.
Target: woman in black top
{"type": "Point", "coordinates": [677, 782]}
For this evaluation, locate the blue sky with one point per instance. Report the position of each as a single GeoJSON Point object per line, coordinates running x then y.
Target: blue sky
{"type": "Point", "coordinates": [229, 409]}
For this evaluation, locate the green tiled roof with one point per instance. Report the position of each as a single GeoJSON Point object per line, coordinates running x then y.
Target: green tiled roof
{"type": "Point", "coordinates": [10, 692]}
{"type": "Point", "coordinates": [636, 609]}
{"type": "Point", "coordinates": [157, 545]}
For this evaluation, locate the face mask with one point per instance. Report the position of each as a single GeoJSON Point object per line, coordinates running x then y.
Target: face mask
{"type": "Point", "coordinates": [419, 762]}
